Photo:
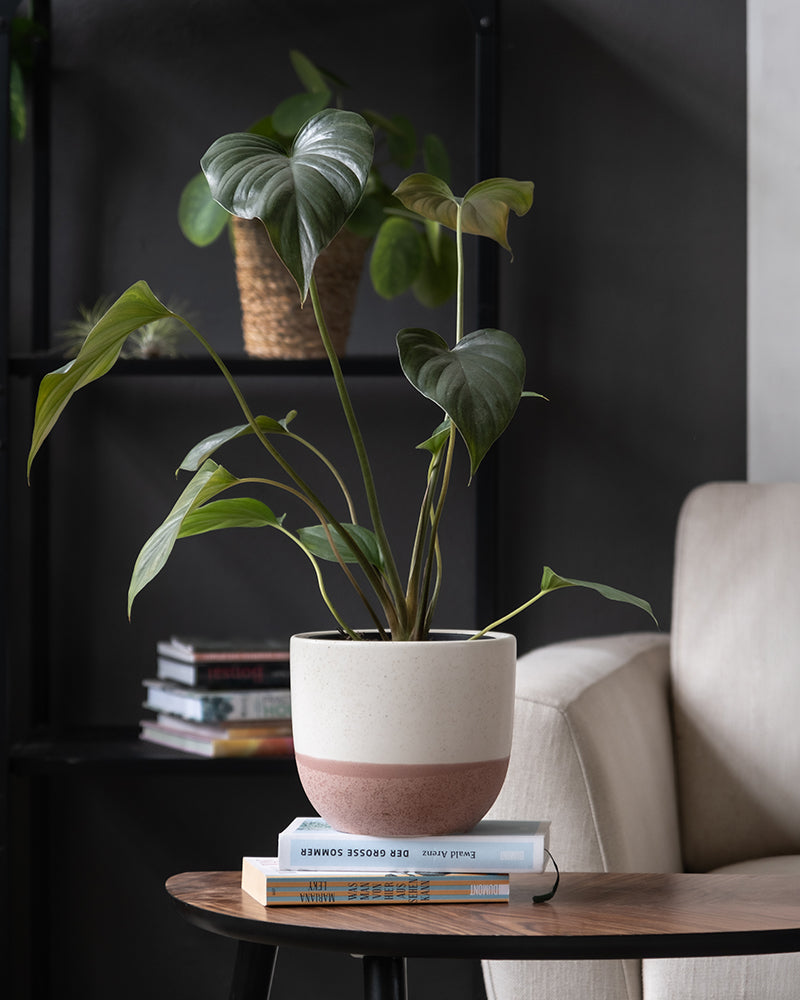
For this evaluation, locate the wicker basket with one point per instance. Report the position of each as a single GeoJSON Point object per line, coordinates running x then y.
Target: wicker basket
{"type": "Point", "coordinates": [273, 322]}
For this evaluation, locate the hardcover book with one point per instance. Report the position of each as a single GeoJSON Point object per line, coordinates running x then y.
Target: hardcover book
{"type": "Point", "coordinates": [235, 729]}
{"type": "Point", "coordinates": [269, 885]}
{"type": "Point", "coordinates": [501, 846]}
{"type": "Point", "coordinates": [217, 706]}
{"type": "Point", "coordinates": [193, 649]}
{"type": "Point", "coordinates": [209, 746]}
{"type": "Point", "coordinates": [227, 674]}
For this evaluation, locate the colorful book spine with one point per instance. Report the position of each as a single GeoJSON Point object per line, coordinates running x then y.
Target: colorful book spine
{"type": "Point", "coordinates": [492, 846]}
{"type": "Point", "coordinates": [217, 706]}
{"type": "Point", "coordinates": [269, 885]}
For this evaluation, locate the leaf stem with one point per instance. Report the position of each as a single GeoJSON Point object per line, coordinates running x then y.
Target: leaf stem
{"type": "Point", "coordinates": [393, 577]}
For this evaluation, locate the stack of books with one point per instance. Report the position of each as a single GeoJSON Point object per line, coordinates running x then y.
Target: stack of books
{"type": "Point", "coordinates": [220, 699]}
{"type": "Point", "coordinates": [317, 865]}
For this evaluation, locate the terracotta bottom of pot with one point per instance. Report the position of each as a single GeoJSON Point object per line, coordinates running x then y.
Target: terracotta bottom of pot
{"type": "Point", "coordinates": [401, 800]}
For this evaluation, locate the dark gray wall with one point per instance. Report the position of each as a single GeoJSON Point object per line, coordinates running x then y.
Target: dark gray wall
{"type": "Point", "coordinates": [627, 290]}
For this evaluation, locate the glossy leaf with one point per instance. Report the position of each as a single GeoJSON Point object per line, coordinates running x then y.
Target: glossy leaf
{"type": "Point", "coordinates": [316, 541]}
{"type": "Point", "coordinates": [396, 257]}
{"type": "Point", "coordinates": [477, 383]}
{"type": "Point", "coordinates": [205, 449]}
{"type": "Point", "coordinates": [552, 581]}
{"type": "Point", "coordinates": [206, 483]}
{"type": "Point", "coordinates": [303, 197]}
{"type": "Point", "coordinates": [201, 219]}
{"type": "Point", "coordinates": [484, 208]}
{"type": "Point", "coordinates": [133, 309]}
{"type": "Point", "coordinates": [236, 512]}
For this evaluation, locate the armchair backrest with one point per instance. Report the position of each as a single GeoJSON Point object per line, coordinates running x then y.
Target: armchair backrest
{"type": "Point", "coordinates": [736, 672]}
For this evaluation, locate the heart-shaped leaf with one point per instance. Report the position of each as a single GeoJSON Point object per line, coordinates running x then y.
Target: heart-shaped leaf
{"type": "Point", "coordinates": [99, 351]}
{"type": "Point", "coordinates": [315, 539]}
{"type": "Point", "coordinates": [303, 197]}
{"type": "Point", "coordinates": [484, 208]}
{"type": "Point", "coordinates": [206, 483]}
{"type": "Point", "coordinates": [478, 383]}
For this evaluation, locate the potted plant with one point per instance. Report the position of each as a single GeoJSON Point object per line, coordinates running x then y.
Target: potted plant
{"type": "Point", "coordinates": [407, 253]}
{"type": "Point", "coordinates": [412, 729]}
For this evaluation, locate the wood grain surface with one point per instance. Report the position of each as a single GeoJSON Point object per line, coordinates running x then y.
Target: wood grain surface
{"type": "Point", "coordinates": [592, 915]}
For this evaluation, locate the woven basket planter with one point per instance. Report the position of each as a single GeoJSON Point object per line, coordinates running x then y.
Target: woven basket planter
{"type": "Point", "coordinates": [273, 323]}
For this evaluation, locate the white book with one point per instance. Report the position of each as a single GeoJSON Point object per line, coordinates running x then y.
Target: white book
{"type": "Point", "coordinates": [309, 843]}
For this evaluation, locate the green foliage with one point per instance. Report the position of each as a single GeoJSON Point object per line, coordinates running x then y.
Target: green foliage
{"type": "Point", "coordinates": [427, 271]}
{"type": "Point", "coordinates": [303, 196]}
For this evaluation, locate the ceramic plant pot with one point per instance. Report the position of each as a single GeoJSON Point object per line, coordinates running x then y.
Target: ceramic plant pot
{"type": "Point", "coordinates": [402, 738]}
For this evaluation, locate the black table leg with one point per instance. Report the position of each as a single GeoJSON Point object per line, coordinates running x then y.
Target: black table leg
{"type": "Point", "coordinates": [252, 973]}
{"type": "Point", "coordinates": [384, 978]}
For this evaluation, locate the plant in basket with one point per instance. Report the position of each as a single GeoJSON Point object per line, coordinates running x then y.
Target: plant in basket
{"type": "Point", "coordinates": [405, 252]}
{"type": "Point", "coordinates": [399, 728]}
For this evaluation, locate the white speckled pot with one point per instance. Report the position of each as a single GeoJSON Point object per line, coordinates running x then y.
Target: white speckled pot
{"type": "Point", "coordinates": [402, 738]}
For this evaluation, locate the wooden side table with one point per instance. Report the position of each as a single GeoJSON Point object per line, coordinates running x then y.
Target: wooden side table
{"type": "Point", "coordinates": [593, 916]}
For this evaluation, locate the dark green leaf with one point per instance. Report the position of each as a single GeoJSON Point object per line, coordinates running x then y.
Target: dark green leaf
{"type": "Point", "coordinates": [303, 197]}
{"type": "Point", "coordinates": [552, 581]}
{"type": "Point", "coordinates": [316, 541]}
{"type": "Point", "coordinates": [201, 219]}
{"type": "Point", "coordinates": [133, 309]}
{"type": "Point", "coordinates": [478, 383]}
{"type": "Point", "coordinates": [396, 257]}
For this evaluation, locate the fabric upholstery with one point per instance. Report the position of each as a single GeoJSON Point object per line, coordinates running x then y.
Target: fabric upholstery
{"type": "Point", "coordinates": [592, 745]}
{"type": "Point", "coordinates": [735, 672]}
{"type": "Point", "coordinates": [595, 750]}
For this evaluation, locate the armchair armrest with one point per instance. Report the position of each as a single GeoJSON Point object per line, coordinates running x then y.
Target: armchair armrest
{"type": "Point", "coordinates": [592, 752]}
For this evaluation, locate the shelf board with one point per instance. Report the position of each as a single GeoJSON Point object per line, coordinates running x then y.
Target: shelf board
{"type": "Point", "coordinates": [119, 750]}
{"type": "Point", "coordinates": [38, 364]}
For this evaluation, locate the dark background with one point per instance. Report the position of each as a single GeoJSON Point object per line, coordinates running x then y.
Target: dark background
{"type": "Point", "coordinates": [627, 291]}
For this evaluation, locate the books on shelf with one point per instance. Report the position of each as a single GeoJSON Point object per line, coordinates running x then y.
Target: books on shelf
{"type": "Point", "coordinates": [234, 729]}
{"type": "Point", "coordinates": [493, 846]}
{"type": "Point", "coordinates": [224, 674]}
{"type": "Point", "coordinates": [194, 649]}
{"type": "Point", "coordinates": [216, 705]}
{"type": "Point", "coordinates": [264, 880]}
{"type": "Point", "coordinates": [223, 664]}
{"type": "Point", "coordinates": [225, 744]}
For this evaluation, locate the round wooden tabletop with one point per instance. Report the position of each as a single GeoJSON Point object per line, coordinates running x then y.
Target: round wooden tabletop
{"type": "Point", "coordinates": [591, 916]}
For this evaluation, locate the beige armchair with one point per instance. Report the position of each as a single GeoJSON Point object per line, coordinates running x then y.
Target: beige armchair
{"type": "Point", "coordinates": [664, 753]}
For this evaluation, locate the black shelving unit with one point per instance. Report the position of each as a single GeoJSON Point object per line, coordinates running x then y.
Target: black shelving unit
{"type": "Point", "coordinates": [44, 754]}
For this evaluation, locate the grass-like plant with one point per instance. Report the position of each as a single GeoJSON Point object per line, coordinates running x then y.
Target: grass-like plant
{"type": "Point", "coordinates": [304, 196]}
